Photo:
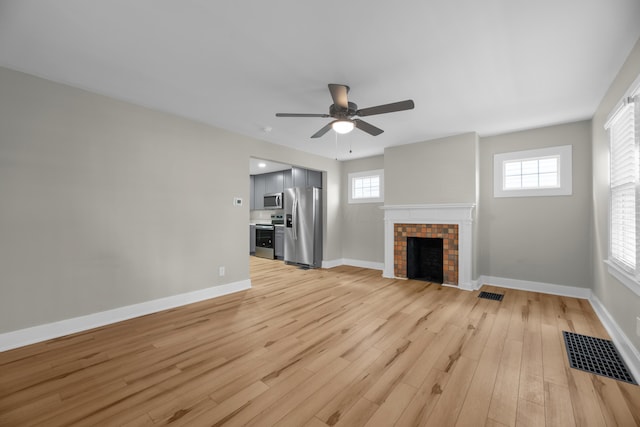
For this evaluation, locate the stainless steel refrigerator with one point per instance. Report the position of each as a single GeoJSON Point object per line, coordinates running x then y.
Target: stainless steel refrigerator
{"type": "Point", "coordinates": [303, 226]}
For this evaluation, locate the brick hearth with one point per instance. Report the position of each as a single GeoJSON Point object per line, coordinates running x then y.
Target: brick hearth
{"type": "Point", "coordinates": [447, 232]}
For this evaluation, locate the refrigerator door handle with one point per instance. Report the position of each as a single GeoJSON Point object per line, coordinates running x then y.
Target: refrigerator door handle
{"type": "Point", "coordinates": [294, 216]}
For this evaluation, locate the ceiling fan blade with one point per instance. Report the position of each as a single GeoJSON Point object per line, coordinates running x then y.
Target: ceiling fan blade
{"type": "Point", "coordinates": [367, 127]}
{"type": "Point", "coordinates": [322, 131]}
{"type": "Point", "coordinates": [339, 95]}
{"type": "Point", "coordinates": [301, 115]}
{"type": "Point", "coordinates": [386, 108]}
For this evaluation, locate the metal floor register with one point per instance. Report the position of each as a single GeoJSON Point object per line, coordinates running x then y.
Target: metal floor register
{"type": "Point", "coordinates": [491, 296]}
{"type": "Point", "coordinates": [597, 356]}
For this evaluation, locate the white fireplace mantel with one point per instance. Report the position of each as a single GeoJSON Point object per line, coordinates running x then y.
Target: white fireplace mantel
{"type": "Point", "coordinates": [461, 214]}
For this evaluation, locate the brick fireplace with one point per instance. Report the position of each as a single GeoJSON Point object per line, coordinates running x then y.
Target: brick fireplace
{"type": "Point", "coordinates": [451, 222]}
{"type": "Point", "coordinates": [447, 232]}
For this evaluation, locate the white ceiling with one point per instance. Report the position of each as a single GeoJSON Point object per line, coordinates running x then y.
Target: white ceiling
{"type": "Point", "coordinates": [489, 66]}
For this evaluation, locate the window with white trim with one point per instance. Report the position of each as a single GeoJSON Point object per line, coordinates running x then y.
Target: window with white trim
{"type": "Point", "coordinates": [623, 127]}
{"type": "Point", "coordinates": [366, 187]}
{"type": "Point", "coordinates": [540, 172]}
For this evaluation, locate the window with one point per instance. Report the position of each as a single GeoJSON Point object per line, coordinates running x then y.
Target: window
{"type": "Point", "coordinates": [541, 172]}
{"type": "Point", "coordinates": [532, 173]}
{"type": "Point", "coordinates": [624, 184]}
{"type": "Point", "coordinates": [624, 187]}
{"type": "Point", "coordinates": [366, 187]}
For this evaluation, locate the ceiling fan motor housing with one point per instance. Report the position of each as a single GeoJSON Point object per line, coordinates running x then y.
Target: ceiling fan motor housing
{"type": "Point", "coordinates": [343, 113]}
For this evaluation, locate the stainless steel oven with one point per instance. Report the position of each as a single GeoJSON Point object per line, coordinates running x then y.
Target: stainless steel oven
{"type": "Point", "coordinates": [265, 237]}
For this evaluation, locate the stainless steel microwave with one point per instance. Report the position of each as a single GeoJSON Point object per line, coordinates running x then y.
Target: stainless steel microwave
{"type": "Point", "coordinates": [273, 201]}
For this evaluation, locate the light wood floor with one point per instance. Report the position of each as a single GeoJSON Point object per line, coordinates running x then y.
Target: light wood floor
{"type": "Point", "coordinates": [341, 347]}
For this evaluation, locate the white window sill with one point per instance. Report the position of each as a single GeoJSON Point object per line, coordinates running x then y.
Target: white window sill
{"type": "Point", "coordinates": [623, 276]}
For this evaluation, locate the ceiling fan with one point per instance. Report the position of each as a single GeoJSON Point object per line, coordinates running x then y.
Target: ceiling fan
{"type": "Point", "coordinates": [344, 112]}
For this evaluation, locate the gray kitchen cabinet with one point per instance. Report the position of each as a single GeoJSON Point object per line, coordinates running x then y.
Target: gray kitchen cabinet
{"type": "Point", "coordinates": [277, 182]}
{"type": "Point", "coordinates": [279, 243]}
{"type": "Point", "coordinates": [252, 239]}
{"type": "Point", "coordinates": [287, 179]}
{"type": "Point", "coordinates": [265, 183]}
{"type": "Point", "coordinates": [252, 191]}
{"type": "Point", "coordinates": [314, 178]}
{"type": "Point", "coordinates": [259, 186]}
{"type": "Point", "coordinates": [274, 182]}
{"type": "Point", "coordinates": [298, 177]}
{"type": "Point", "coordinates": [306, 178]}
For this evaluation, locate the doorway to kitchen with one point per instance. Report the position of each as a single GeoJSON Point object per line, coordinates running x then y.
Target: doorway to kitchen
{"type": "Point", "coordinates": [278, 192]}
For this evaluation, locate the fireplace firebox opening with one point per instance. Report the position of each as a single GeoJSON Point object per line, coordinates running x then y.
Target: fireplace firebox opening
{"type": "Point", "coordinates": [424, 259]}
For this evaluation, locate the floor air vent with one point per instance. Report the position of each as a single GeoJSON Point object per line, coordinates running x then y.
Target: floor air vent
{"type": "Point", "coordinates": [491, 295]}
{"type": "Point", "coordinates": [597, 356]}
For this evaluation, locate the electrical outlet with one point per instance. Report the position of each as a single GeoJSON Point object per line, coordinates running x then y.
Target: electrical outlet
{"type": "Point", "coordinates": [638, 326]}
{"type": "Point", "coordinates": [221, 271]}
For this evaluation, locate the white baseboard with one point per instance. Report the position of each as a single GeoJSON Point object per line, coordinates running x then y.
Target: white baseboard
{"type": "Point", "coordinates": [354, 263]}
{"type": "Point", "coordinates": [49, 331]}
{"type": "Point", "coordinates": [332, 263]}
{"type": "Point", "coordinates": [469, 285]}
{"type": "Point", "coordinates": [363, 264]}
{"type": "Point", "coordinates": [626, 348]}
{"type": "Point", "coordinates": [526, 285]}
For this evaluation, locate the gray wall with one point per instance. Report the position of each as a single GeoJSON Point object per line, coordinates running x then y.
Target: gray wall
{"type": "Point", "coordinates": [437, 171]}
{"type": "Point", "coordinates": [540, 239]}
{"type": "Point", "coordinates": [619, 300]}
{"type": "Point", "coordinates": [106, 204]}
{"type": "Point", "coordinates": [362, 223]}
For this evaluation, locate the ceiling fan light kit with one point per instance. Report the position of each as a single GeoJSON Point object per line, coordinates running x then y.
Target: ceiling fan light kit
{"type": "Point", "coordinates": [342, 126]}
{"type": "Point", "coordinates": [344, 112]}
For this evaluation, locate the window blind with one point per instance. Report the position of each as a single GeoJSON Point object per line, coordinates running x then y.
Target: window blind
{"type": "Point", "coordinates": [624, 182]}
